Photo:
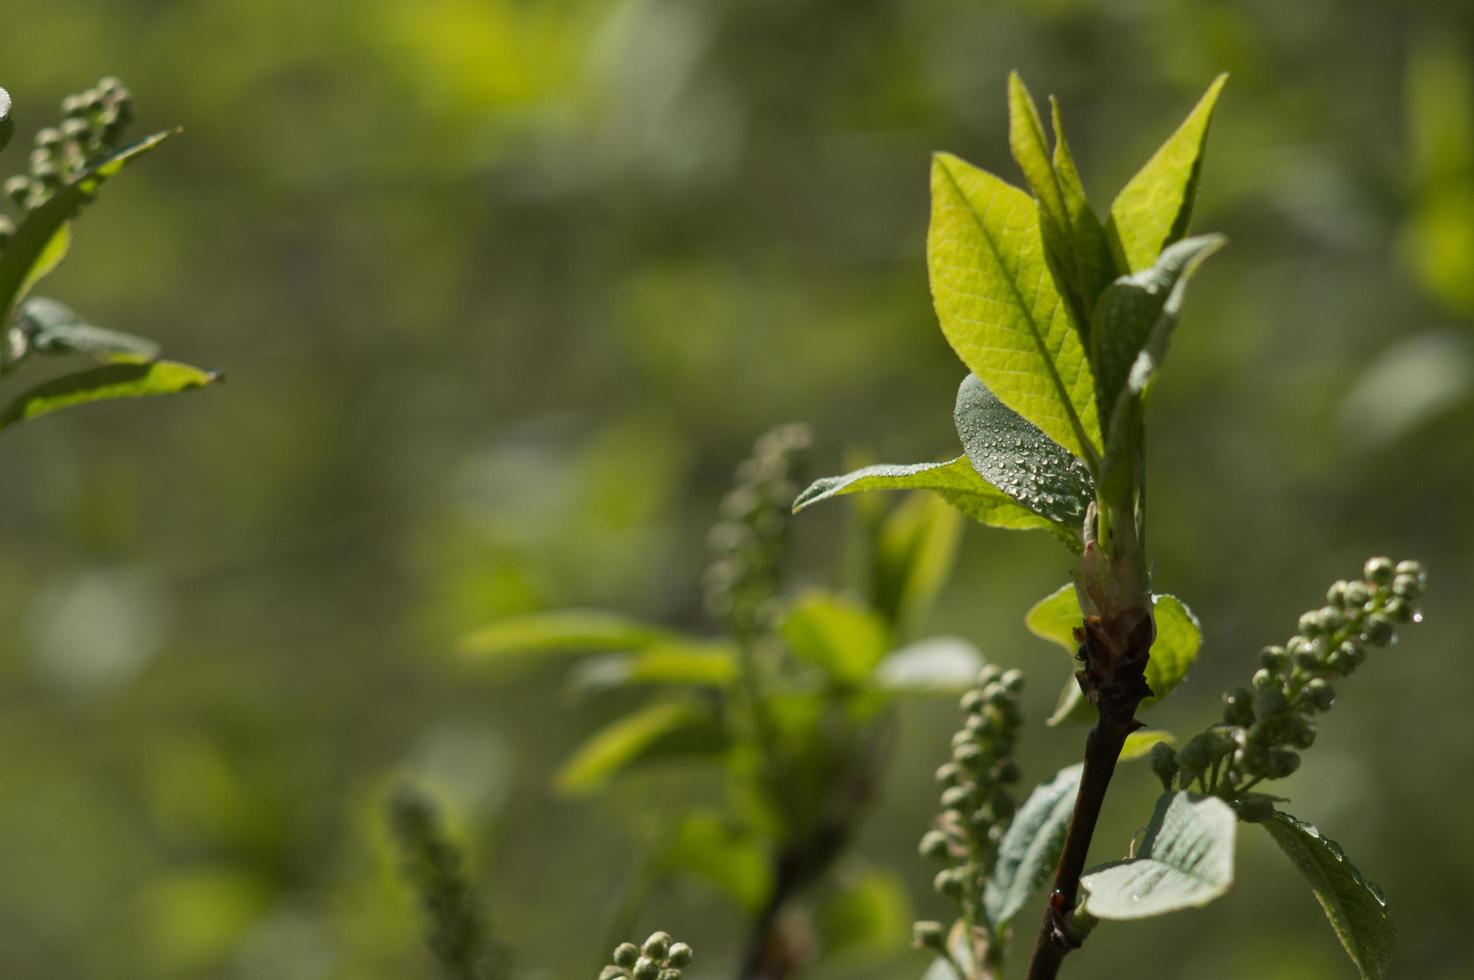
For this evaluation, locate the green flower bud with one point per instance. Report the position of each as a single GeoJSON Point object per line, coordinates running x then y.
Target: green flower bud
{"type": "Point", "coordinates": [968, 755]}
{"type": "Point", "coordinates": [1309, 658]}
{"type": "Point", "coordinates": [1012, 680]}
{"type": "Point", "coordinates": [1300, 732]}
{"type": "Point", "coordinates": [1309, 624]}
{"type": "Point", "coordinates": [1238, 706]}
{"type": "Point", "coordinates": [989, 674]}
{"type": "Point", "coordinates": [958, 797]}
{"type": "Point", "coordinates": [18, 188]}
{"type": "Point", "coordinates": [1356, 595]}
{"type": "Point", "coordinates": [646, 969]}
{"type": "Point", "coordinates": [1164, 764]}
{"type": "Point", "coordinates": [948, 883]}
{"type": "Point", "coordinates": [73, 105]}
{"type": "Point", "coordinates": [934, 845]}
{"type": "Point", "coordinates": [612, 973]}
{"type": "Point", "coordinates": [1380, 630]}
{"type": "Point", "coordinates": [972, 701]}
{"type": "Point", "coordinates": [1330, 619]}
{"type": "Point", "coordinates": [1006, 772]}
{"type": "Point", "coordinates": [48, 138]}
{"type": "Point", "coordinates": [1413, 568]}
{"type": "Point", "coordinates": [997, 694]}
{"type": "Point", "coordinates": [1407, 587]}
{"type": "Point", "coordinates": [1251, 758]}
{"type": "Point", "coordinates": [1320, 694]}
{"type": "Point", "coordinates": [671, 974]}
{"type": "Point", "coordinates": [1273, 658]}
{"type": "Point", "coordinates": [657, 947]}
{"type": "Point", "coordinates": [1336, 594]}
{"type": "Point", "coordinates": [681, 954]}
{"type": "Point", "coordinates": [929, 935]}
{"type": "Point", "coordinates": [1270, 702]}
{"type": "Point", "coordinates": [1400, 610]}
{"type": "Point", "coordinates": [1379, 570]}
{"type": "Point", "coordinates": [1352, 656]}
{"type": "Point", "coordinates": [1282, 762]}
{"type": "Point", "coordinates": [1264, 679]}
{"type": "Point", "coordinates": [625, 954]}
{"type": "Point", "coordinates": [948, 773]}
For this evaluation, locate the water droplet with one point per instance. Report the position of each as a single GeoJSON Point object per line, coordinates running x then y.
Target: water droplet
{"type": "Point", "coordinates": [1417, 617]}
{"type": "Point", "coordinates": [1376, 893]}
{"type": "Point", "coordinates": [1335, 850]}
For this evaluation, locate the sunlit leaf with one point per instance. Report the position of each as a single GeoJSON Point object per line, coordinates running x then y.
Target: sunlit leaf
{"type": "Point", "coordinates": [1014, 456]}
{"type": "Point", "coordinates": [998, 305]}
{"type": "Point", "coordinates": [956, 481]}
{"type": "Point", "coordinates": [1185, 860]}
{"type": "Point", "coordinates": [708, 846]}
{"type": "Point", "coordinates": [935, 665]}
{"type": "Point", "coordinates": [1154, 208]}
{"type": "Point", "coordinates": [1355, 907]}
{"type": "Point", "coordinates": [121, 380]}
{"type": "Point", "coordinates": [53, 328]}
{"type": "Point", "coordinates": [914, 548]}
{"type": "Point", "coordinates": [1139, 743]}
{"type": "Point", "coordinates": [1031, 845]}
{"type": "Point", "coordinates": [840, 637]}
{"type": "Point", "coordinates": [864, 913]}
{"type": "Point", "coordinates": [711, 665]}
{"type": "Point", "coordinates": [564, 631]}
{"type": "Point", "coordinates": [661, 730]}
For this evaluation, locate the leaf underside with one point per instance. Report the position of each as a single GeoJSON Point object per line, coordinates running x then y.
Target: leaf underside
{"type": "Point", "coordinates": [1030, 847]}
{"type": "Point", "coordinates": [1185, 860]}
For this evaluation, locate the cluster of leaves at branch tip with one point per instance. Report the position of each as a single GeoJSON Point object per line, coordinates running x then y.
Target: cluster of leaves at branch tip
{"type": "Point", "coordinates": [658, 958]}
{"type": "Point", "coordinates": [68, 165]}
{"type": "Point", "coordinates": [748, 541]}
{"type": "Point", "coordinates": [1266, 725]}
{"type": "Point", "coordinates": [455, 932]}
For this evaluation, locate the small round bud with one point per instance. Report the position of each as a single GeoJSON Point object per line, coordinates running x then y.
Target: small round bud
{"type": "Point", "coordinates": [48, 138]}
{"type": "Point", "coordinates": [1380, 630]}
{"type": "Point", "coordinates": [657, 947]}
{"type": "Point", "coordinates": [1336, 594]}
{"type": "Point", "coordinates": [934, 845]}
{"type": "Point", "coordinates": [1269, 702]}
{"type": "Point", "coordinates": [73, 105]}
{"type": "Point", "coordinates": [1282, 762]}
{"type": "Point", "coordinates": [958, 797]}
{"type": "Point", "coordinates": [680, 954]}
{"type": "Point", "coordinates": [929, 935]}
{"type": "Point", "coordinates": [1006, 772]}
{"type": "Point", "coordinates": [972, 701]}
{"type": "Point", "coordinates": [1164, 764]}
{"type": "Point", "coordinates": [1320, 694]}
{"type": "Point", "coordinates": [997, 694]}
{"type": "Point", "coordinates": [1300, 732]}
{"type": "Point", "coordinates": [625, 954]}
{"type": "Point", "coordinates": [1413, 568]}
{"type": "Point", "coordinates": [1309, 624]}
{"type": "Point", "coordinates": [18, 188]}
{"type": "Point", "coordinates": [968, 755]}
{"type": "Point", "coordinates": [1238, 706]}
{"type": "Point", "coordinates": [669, 974]}
{"type": "Point", "coordinates": [612, 973]}
{"type": "Point", "coordinates": [1251, 758]}
{"type": "Point", "coordinates": [948, 773]}
{"type": "Point", "coordinates": [1311, 656]}
{"type": "Point", "coordinates": [1400, 610]}
{"type": "Point", "coordinates": [1012, 680]}
{"type": "Point", "coordinates": [989, 674]}
{"type": "Point", "coordinates": [1407, 587]}
{"type": "Point", "coordinates": [1263, 679]}
{"type": "Point", "coordinates": [646, 969]}
{"type": "Point", "coordinates": [1273, 658]}
{"type": "Point", "coordinates": [1330, 619]}
{"type": "Point", "coordinates": [948, 883]}
{"type": "Point", "coordinates": [1379, 570]}
{"type": "Point", "coordinates": [1356, 595]}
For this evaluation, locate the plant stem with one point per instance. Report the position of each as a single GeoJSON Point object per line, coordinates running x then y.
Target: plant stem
{"type": "Point", "coordinates": [1102, 748]}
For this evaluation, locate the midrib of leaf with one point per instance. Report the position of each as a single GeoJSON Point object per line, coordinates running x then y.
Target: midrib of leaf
{"type": "Point", "coordinates": [1092, 457]}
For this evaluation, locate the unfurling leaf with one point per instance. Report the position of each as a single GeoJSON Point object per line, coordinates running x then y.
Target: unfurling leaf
{"type": "Point", "coordinates": [120, 380]}
{"type": "Point", "coordinates": [1185, 860]}
{"type": "Point", "coordinates": [51, 327]}
{"type": "Point", "coordinates": [1030, 847]}
{"type": "Point", "coordinates": [956, 481]}
{"type": "Point", "coordinates": [999, 308]}
{"type": "Point", "coordinates": [1153, 209]}
{"type": "Point", "coordinates": [1014, 456]}
{"type": "Point", "coordinates": [1355, 908]}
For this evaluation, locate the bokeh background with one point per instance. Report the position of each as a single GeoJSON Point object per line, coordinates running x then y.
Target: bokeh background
{"type": "Point", "coordinates": [504, 288]}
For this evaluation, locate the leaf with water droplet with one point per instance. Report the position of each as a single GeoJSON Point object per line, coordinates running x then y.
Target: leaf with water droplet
{"type": "Point", "coordinates": [1355, 908]}
{"type": "Point", "coordinates": [1044, 477]}
{"type": "Point", "coordinates": [1185, 860]}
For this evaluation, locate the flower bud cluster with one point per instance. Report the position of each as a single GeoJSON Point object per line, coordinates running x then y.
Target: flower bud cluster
{"type": "Point", "coordinates": [92, 130]}
{"type": "Point", "coordinates": [659, 958]}
{"type": "Point", "coordinates": [742, 582]}
{"type": "Point", "coordinates": [977, 803]}
{"type": "Point", "coordinates": [1266, 725]}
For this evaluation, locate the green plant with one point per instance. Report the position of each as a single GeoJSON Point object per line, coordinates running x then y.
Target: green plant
{"type": "Point", "coordinates": [791, 708]}
{"type": "Point", "coordinates": [67, 168]}
{"type": "Point", "coordinates": [1063, 321]}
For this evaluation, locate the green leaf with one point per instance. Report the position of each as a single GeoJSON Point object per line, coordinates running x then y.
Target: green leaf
{"type": "Point", "coordinates": [563, 631]}
{"type": "Point", "coordinates": [711, 665]}
{"type": "Point", "coordinates": [120, 380]}
{"type": "Point", "coordinates": [1014, 456]}
{"type": "Point", "coordinates": [1026, 143]}
{"type": "Point", "coordinates": [936, 665]}
{"type": "Point", "coordinates": [999, 308]}
{"type": "Point", "coordinates": [707, 846]}
{"type": "Point", "coordinates": [867, 912]}
{"type": "Point", "coordinates": [1153, 209]}
{"type": "Point", "coordinates": [914, 548]}
{"type": "Point", "coordinates": [1185, 860]}
{"type": "Point", "coordinates": [1139, 743]}
{"type": "Point", "coordinates": [1030, 847]}
{"type": "Point", "coordinates": [1092, 254]}
{"type": "Point", "coordinates": [1133, 323]}
{"type": "Point", "coordinates": [956, 481]}
{"type": "Point", "coordinates": [1179, 637]}
{"type": "Point", "coordinates": [53, 328]}
{"type": "Point", "coordinates": [41, 241]}
{"type": "Point", "coordinates": [1355, 907]}
{"type": "Point", "coordinates": [661, 730]}
{"type": "Point", "coordinates": [840, 637]}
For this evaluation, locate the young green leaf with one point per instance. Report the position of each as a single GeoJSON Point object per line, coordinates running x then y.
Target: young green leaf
{"type": "Point", "coordinates": [1185, 860]}
{"type": "Point", "coordinates": [120, 380]}
{"type": "Point", "coordinates": [913, 552]}
{"type": "Point", "coordinates": [1179, 637]}
{"type": "Point", "coordinates": [711, 665]}
{"type": "Point", "coordinates": [843, 639]}
{"type": "Point", "coordinates": [1014, 456]}
{"type": "Point", "coordinates": [956, 481]}
{"type": "Point", "coordinates": [867, 912]}
{"type": "Point", "coordinates": [41, 241]}
{"type": "Point", "coordinates": [660, 730]}
{"type": "Point", "coordinates": [999, 307]}
{"type": "Point", "coordinates": [1030, 847]}
{"type": "Point", "coordinates": [1355, 908]}
{"type": "Point", "coordinates": [1092, 254]}
{"type": "Point", "coordinates": [1133, 323]}
{"type": "Point", "coordinates": [1026, 142]}
{"type": "Point", "coordinates": [565, 631]}
{"type": "Point", "coordinates": [944, 665]}
{"type": "Point", "coordinates": [1153, 209]}
{"type": "Point", "coordinates": [1139, 743]}
{"type": "Point", "coordinates": [53, 328]}
{"type": "Point", "coordinates": [707, 846]}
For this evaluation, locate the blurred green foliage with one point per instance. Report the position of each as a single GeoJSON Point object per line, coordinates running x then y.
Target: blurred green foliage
{"type": "Point", "coordinates": [504, 289]}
